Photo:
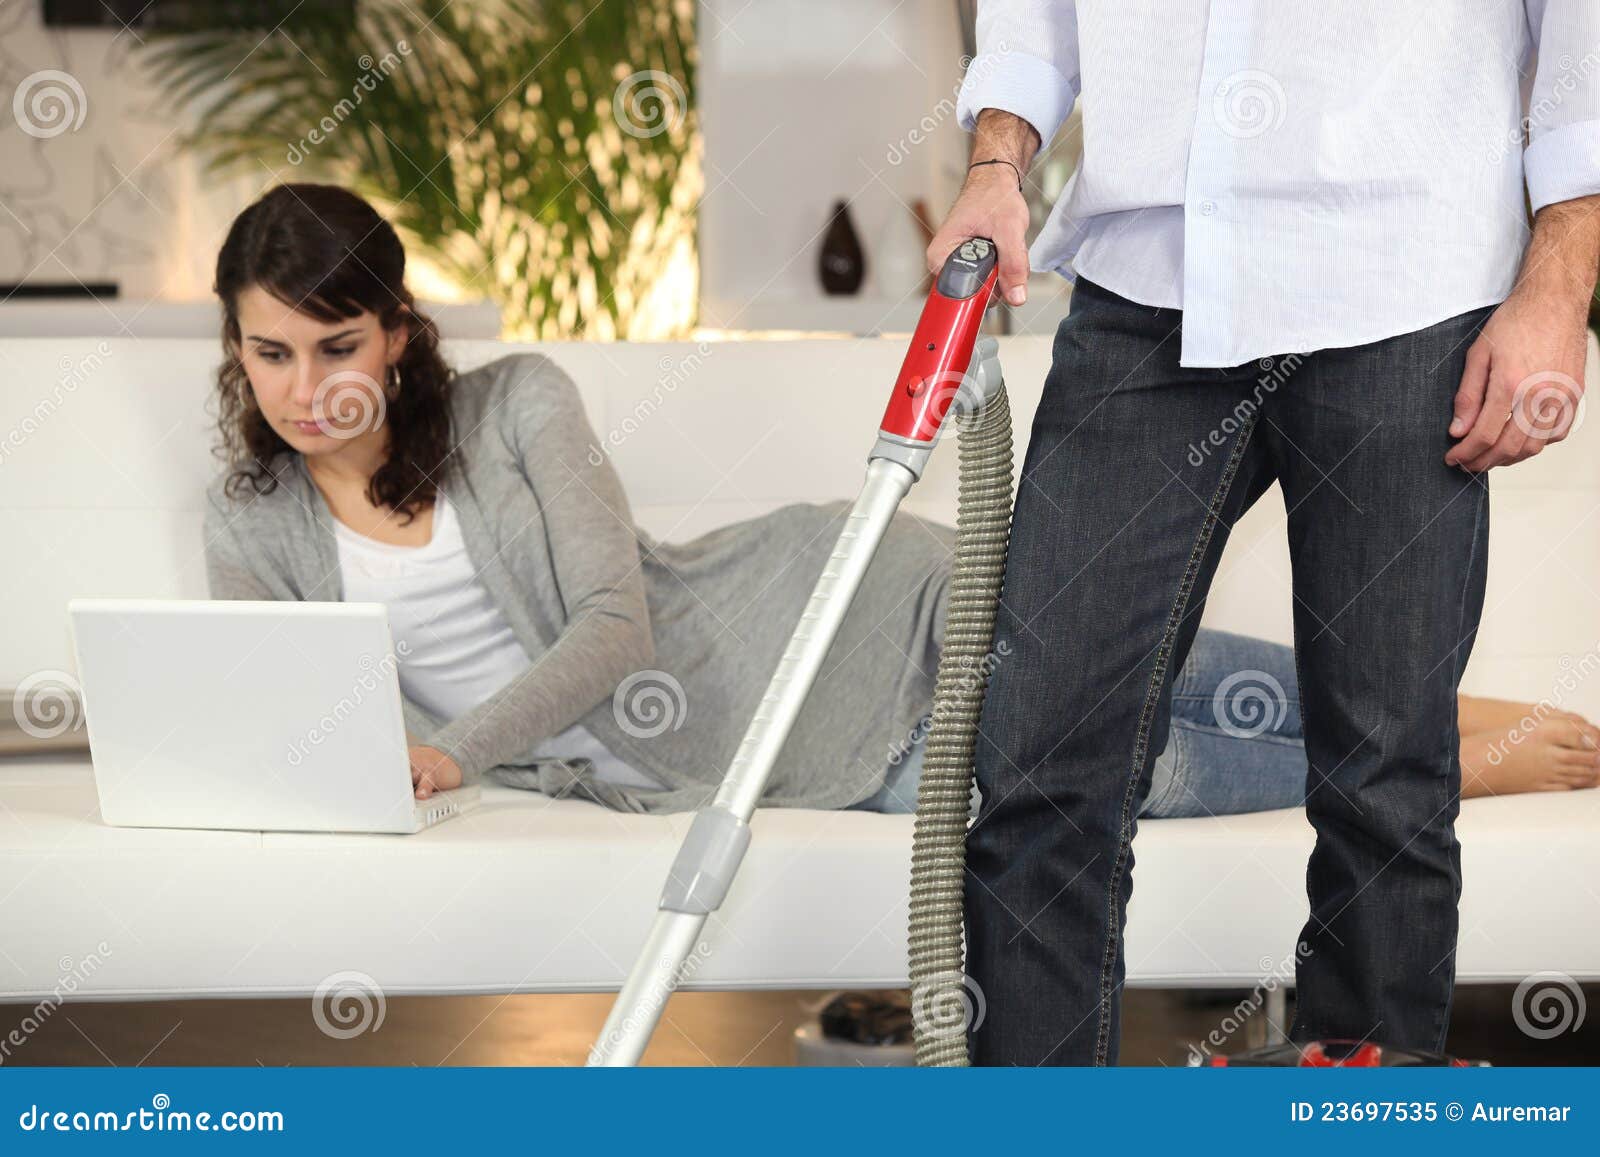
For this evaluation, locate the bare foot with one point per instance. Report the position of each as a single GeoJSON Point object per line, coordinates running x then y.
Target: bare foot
{"type": "Point", "coordinates": [1478, 714]}
{"type": "Point", "coordinates": [1559, 752]}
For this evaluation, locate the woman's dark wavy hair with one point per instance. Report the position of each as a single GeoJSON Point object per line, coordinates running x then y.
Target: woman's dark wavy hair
{"type": "Point", "coordinates": [325, 251]}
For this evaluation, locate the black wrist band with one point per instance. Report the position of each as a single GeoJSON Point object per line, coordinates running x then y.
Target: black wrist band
{"type": "Point", "coordinates": [1014, 169]}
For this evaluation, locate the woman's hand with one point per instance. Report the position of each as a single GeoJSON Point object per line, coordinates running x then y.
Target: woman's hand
{"type": "Point", "coordinates": [432, 770]}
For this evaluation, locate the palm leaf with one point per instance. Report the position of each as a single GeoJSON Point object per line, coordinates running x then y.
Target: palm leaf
{"type": "Point", "coordinates": [488, 133]}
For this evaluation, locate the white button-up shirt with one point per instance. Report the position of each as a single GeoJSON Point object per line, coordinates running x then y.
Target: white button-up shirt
{"type": "Point", "coordinates": [1299, 175]}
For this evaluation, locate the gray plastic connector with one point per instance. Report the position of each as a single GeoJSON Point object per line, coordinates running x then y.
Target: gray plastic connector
{"type": "Point", "coordinates": [706, 862]}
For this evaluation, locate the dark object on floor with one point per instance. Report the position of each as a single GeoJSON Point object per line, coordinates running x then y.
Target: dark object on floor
{"type": "Point", "coordinates": [1338, 1054]}
{"type": "Point", "coordinates": [842, 266]}
{"type": "Point", "coordinates": [868, 1018]}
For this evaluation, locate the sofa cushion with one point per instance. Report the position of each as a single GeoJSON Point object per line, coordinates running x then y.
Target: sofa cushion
{"type": "Point", "coordinates": [529, 894]}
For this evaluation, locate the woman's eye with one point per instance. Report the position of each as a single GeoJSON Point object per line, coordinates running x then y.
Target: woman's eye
{"type": "Point", "coordinates": [271, 356]}
{"type": "Point", "coordinates": [342, 351]}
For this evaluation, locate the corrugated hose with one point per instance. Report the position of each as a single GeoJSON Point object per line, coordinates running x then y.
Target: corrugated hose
{"type": "Point", "coordinates": [944, 1004]}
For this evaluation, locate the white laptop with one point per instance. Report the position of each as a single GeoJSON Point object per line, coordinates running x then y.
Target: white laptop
{"type": "Point", "coordinates": [265, 716]}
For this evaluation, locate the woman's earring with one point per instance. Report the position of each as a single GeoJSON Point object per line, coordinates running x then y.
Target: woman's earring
{"type": "Point", "coordinates": [393, 390]}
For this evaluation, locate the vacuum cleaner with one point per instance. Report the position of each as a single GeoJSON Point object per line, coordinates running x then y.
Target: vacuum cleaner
{"type": "Point", "coordinates": [947, 370]}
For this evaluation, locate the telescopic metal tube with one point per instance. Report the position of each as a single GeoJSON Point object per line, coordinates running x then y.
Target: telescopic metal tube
{"type": "Point", "coordinates": [711, 851]}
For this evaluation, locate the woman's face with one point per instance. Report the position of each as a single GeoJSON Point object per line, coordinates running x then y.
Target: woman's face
{"type": "Point", "coordinates": [319, 384]}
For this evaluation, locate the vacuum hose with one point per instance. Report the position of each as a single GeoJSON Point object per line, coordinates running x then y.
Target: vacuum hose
{"type": "Point", "coordinates": [944, 1005]}
{"type": "Point", "coordinates": [947, 367]}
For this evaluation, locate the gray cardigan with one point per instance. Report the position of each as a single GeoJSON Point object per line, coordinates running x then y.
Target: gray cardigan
{"type": "Point", "coordinates": [662, 650]}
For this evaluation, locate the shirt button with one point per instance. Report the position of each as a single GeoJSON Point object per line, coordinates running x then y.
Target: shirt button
{"type": "Point", "coordinates": [1207, 208]}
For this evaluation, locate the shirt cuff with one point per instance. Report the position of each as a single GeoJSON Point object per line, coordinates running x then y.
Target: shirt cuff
{"type": "Point", "coordinates": [1563, 164]}
{"type": "Point", "coordinates": [1015, 82]}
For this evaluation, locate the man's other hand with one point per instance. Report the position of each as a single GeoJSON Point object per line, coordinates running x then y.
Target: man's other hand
{"type": "Point", "coordinates": [1524, 377]}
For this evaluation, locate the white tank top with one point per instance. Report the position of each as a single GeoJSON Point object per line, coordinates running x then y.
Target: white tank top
{"type": "Point", "coordinates": [459, 648]}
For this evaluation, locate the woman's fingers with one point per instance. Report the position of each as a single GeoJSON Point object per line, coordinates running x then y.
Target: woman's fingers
{"type": "Point", "coordinates": [432, 770]}
{"type": "Point", "coordinates": [421, 785]}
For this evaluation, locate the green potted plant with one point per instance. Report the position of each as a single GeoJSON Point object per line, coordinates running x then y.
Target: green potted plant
{"type": "Point", "coordinates": [542, 153]}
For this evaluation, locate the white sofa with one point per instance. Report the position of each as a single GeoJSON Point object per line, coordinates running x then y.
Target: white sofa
{"type": "Point", "coordinates": [104, 449]}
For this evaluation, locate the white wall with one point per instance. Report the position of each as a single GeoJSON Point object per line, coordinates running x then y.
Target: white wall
{"type": "Point", "coordinates": [111, 199]}
{"type": "Point", "coordinates": [804, 102]}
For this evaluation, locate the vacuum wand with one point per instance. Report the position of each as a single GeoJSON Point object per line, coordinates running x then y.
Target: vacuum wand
{"type": "Point", "coordinates": [945, 367]}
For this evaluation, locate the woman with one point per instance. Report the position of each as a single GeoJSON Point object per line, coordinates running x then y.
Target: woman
{"type": "Point", "coordinates": [540, 633]}
{"type": "Point", "coordinates": [545, 638]}
{"type": "Point", "coordinates": [1235, 743]}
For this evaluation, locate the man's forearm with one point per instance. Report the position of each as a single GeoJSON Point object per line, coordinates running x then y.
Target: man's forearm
{"type": "Point", "coordinates": [1563, 258]}
{"type": "Point", "coordinates": [1004, 136]}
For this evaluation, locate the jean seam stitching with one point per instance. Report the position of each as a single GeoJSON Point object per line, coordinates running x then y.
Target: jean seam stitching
{"type": "Point", "coordinates": [1455, 728]}
{"type": "Point", "coordinates": [1142, 736]}
{"type": "Point", "coordinates": [1300, 681]}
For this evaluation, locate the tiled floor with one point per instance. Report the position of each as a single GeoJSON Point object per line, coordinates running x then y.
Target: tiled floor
{"type": "Point", "coordinates": [754, 1028]}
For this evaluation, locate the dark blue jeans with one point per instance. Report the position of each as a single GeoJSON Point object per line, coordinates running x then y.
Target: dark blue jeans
{"type": "Point", "coordinates": [1135, 473]}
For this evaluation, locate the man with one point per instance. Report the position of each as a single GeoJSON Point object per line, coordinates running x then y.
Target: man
{"type": "Point", "coordinates": [1301, 254]}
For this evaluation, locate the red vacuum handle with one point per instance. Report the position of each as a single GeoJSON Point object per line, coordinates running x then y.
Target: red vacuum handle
{"type": "Point", "coordinates": [941, 348]}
